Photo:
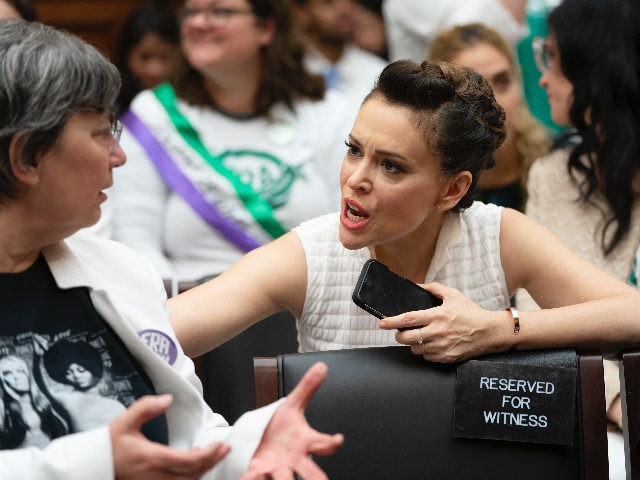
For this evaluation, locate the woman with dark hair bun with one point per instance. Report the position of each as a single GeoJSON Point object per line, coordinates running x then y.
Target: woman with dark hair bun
{"type": "Point", "coordinates": [422, 138]}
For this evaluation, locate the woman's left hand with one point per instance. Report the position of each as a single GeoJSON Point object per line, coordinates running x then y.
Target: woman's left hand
{"type": "Point", "coordinates": [457, 330]}
{"type": "Point", "coordinates": [288, 440]}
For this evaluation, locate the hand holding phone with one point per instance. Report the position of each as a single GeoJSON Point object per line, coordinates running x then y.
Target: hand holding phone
{"type": "Point", "coordinates": [384, 293]}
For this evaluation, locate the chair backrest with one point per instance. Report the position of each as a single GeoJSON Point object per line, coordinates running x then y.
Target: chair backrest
{"type": "Point", "coordinates": [630, 392]}
{"type": "Point", "coordinates": [396, 411]}
{"type": "Point", "coordinates": [226, 372]}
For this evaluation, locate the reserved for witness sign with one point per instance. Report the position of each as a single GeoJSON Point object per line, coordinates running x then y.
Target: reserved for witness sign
{"type": "Point", "coordinates": [507, 401]}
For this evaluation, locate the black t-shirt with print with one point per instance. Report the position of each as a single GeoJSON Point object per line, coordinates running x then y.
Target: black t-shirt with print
{"type": "Point", "coordinates": [62, 368]}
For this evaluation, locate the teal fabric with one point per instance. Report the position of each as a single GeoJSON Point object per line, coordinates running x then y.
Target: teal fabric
{"type": "Point", "coordinates": [633, 278]}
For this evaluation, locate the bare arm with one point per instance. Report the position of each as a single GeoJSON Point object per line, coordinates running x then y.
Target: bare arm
{"type": "Point", "coordinates": [583, 306]}
{"type": "Point", "coordinates": [267, 280]}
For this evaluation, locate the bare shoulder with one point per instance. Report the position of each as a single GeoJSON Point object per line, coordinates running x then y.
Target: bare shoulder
{"type": "Point", "coordinates": [535, 259]}
{"type": "Point", "coordinates": [285, 255]}
{"type": "Point", "coordinates": [526, 246]}
{"type": "Point", "coordinates": [516, 226]}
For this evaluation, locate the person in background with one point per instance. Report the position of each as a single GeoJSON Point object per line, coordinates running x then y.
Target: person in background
{"type": "Point", "coordinates": [18, 9]}
{"type": "Point", "coordinates": [537, 12]}
{"type": "Point", "coordinates": [587, 190]}
{"type": "Point", "coordinates": [368, 32]}
{"type": "Point", "coordinates": [483, 49]}
{"type": "Point", "coordinates": [147, 53]}
{"type": "Point", "coordinates": [417, 147]}
{"type": "Point", "coordinates": [234, 152]}
{"type": "Point", "coordinates": [329, 27]}
{"type": "Point", "coordinates": [58, 147]}
{"type": "Point", "coordinates": [411, 25]}
{"type": "Point", "coordinates": [148, 50]}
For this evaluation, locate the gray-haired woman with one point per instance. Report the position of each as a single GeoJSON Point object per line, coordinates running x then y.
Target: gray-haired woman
{"type": "Point", "coordinates": [58, 147]}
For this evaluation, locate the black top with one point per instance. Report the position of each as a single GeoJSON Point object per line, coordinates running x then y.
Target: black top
{"type": "Point", "coordinates": [62, 367]}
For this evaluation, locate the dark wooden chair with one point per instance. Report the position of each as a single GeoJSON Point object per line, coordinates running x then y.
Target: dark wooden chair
{"type": "Point", "coordinates": [396, 412]}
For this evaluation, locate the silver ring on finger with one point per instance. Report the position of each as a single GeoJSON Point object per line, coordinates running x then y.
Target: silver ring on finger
{"type": "Point", "coordinates": [420, 339]}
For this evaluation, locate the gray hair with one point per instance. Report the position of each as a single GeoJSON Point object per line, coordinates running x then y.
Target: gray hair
{"type": "Point", "coordinates": [46, 76]}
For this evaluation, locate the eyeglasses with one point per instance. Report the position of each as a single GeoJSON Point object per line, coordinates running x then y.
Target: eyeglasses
{"type": "Point", "coordinates": [541, 57]}
{"type": "Point", "coordinates": [217, 16]}
{"type": "Point", "coordinates": [116, 130]}
{"type": "Point", "coordinates": [114, 139]}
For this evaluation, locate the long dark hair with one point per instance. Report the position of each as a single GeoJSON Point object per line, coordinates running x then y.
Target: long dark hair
{"type": "Point", "coordinates": [597, 42]}
{"type": "Point", "coordinates": [284, 77]}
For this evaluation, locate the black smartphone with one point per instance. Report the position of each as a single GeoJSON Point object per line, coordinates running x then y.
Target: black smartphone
{"type": "Point", "coordinates": [383, 293]}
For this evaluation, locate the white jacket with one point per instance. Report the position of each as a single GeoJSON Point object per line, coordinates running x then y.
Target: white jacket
{"type": "Point", "coordinates": [128, 293]}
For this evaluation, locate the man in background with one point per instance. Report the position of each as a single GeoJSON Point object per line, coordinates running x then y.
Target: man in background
{"type": "Point", "coordinates": [328, 26]}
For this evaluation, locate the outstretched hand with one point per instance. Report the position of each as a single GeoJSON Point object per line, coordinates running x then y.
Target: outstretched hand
{"type": "Point", "coordinates": [288, 439]}
{"type": "Point", "coordinates": [136, 457]}
{"type": "Point", "coordinates": [457, 330]}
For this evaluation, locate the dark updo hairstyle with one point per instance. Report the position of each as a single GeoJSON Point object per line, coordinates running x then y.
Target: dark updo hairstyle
{"type": "Point", "coordinates": [598, 46]}
{"type": "Point", "coordinates": [454, 108]}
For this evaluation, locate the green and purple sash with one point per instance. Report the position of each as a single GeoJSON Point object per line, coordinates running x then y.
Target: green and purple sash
{"type": "Point", "coordinates": [193, 192]}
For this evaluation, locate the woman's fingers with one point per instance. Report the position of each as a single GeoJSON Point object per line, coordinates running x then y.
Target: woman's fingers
{"type": "Point", "coordinates": [307, 386]}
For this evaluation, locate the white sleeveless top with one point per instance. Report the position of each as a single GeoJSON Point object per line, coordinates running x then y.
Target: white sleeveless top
{"type": "Point", "coordinates": [467, 257]}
